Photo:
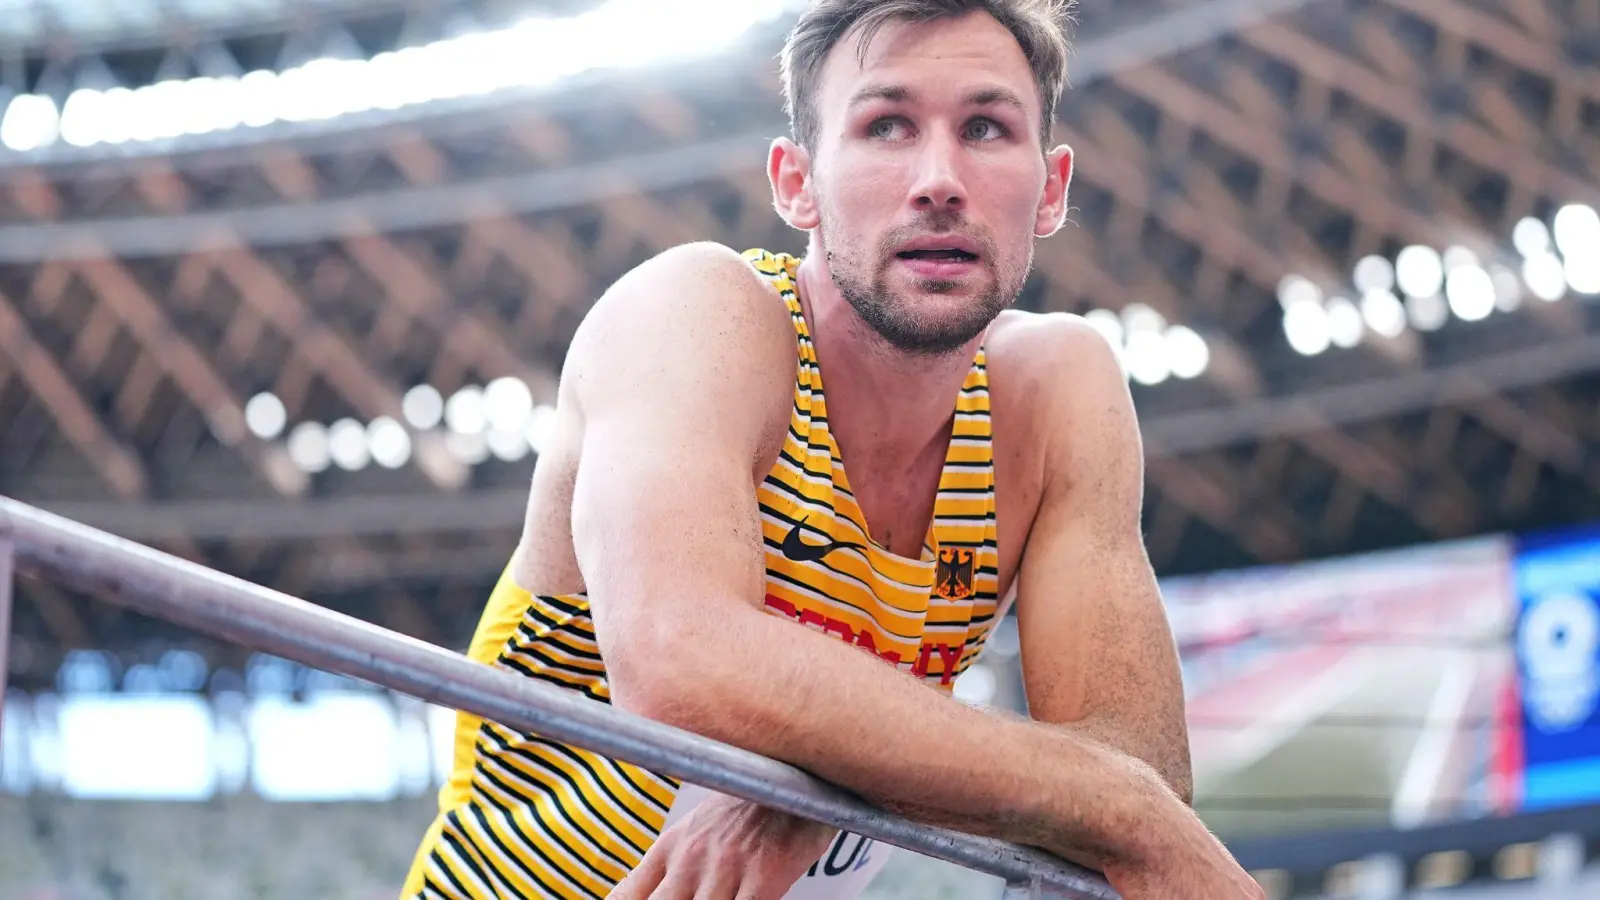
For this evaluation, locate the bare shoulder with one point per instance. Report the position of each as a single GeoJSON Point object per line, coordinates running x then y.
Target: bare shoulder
{"type": "Point", "coordinates": [1056, 372]}
{"type": "Point", "coordinates": [701, 293]}
{"type": "Point", "coordinates": [691, 355]}
{"type": "Point", "coordinates": [1061, 406]}
{"type": "Point", "coordinates": [692, 320]}
{"type": "Point", "coordinates": [1052, 351]}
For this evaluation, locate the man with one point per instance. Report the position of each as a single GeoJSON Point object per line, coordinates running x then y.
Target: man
{"type": "Point", "coordinates": [718, 540]}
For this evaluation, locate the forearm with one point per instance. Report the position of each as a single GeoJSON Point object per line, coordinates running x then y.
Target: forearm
{"type": "Point", "coordinates": [1166, 754]}
{"type": "Point", "coordinates": [790, 694]}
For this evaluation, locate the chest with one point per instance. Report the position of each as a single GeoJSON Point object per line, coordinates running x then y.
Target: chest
{"type": "Point", "coordinates": [897, 503]}
{"type": "Point", "coordinates": [903, 506]}
{"type": "Point", "coordinates": [900, 560]}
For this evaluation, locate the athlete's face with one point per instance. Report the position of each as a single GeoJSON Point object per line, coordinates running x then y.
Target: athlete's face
{"type": "Point", "coordinates": [927, 184]}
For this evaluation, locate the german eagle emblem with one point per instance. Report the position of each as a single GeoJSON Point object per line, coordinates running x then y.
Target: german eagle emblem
{"type": "Point", "coordinates": [952, 580]}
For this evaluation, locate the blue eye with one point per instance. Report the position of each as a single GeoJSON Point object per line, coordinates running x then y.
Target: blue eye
{"type": "Point", "coordinates": [984, 130]}
{"type": "Point", "coordinates": [886, 128]}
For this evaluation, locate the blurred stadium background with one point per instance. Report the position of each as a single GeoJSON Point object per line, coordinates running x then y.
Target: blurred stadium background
{"type": "Point", "coordinates": [284, 286]}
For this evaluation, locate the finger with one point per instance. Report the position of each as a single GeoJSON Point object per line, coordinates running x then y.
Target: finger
{"type": "Point", "coordinates": [642, 881]}
{"type": "Point", "coordinates": [678, 884]}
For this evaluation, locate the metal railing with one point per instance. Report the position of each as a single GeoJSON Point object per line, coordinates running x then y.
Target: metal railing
{"type": "Point", "coordinates": [160, 585]}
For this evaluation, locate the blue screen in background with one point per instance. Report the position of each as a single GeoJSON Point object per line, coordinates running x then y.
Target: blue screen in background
{"type": "Point", "coordinates": [1558, 662]}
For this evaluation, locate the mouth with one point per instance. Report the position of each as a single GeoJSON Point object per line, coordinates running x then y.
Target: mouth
{"type": "Point", "coordinates": [939, 258]}
{"type": "Point", "coordinates": [939, 254]}
{"type": "Point", "coordinates": [949, 247]}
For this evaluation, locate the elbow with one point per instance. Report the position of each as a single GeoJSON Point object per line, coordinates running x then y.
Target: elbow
{"type": "Point", "coordinates": [651, 673]}
{"type": "Point", "coordinates": [1178, 773]}
{"type": "Point", "coordinates": [1182, 784]}
{"type": "Point", "coordinates": [1167, 776]}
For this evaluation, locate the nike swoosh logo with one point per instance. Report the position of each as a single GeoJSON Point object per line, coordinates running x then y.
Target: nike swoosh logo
{"type": "Point", "coordinates": [795, 548]}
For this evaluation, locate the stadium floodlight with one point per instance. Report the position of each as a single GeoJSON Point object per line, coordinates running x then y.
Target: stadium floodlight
{"type": "Point", "coordinates": [388, 442]}
{"type": "Point", "coordinates": [537, 52]}
{"type": "Point", "coordinates": [1419, 271]}
{"type": "Point", "coordinates": [1470, 292]}
{"type": "Point", "coordinates": [1577, 231]}
{"type": "Point", "coordinates": [347, 444]}
{"type": "Point", "coordinates": [1295, 290]}
{"type": "Point", "coordinates": [170, 108]}
{"type": "Point", "coordinates": [469, 449]}
{"type": "Point", "coordinates": [464, 413]}
{"type": "Point", "coordinates": [81, 116]}
{"type": "Point", "coordinates": [1383, 313]}
{"type": "Point", "coordinates": [423, 407]}
{"type": "Point", "coordinates": [117, 115]}
{"type": "Point", "coordinates": [1146, 358]}
{"type": "Point", "coordinates": [1427, 313]}
{"type": "Point", "coordinates": [308, 447]}
{"type": "Point", "coordinates": [1137, 317]}
{"type": "Point", "coordinates": [1583, 272]}
{"type": "Point", "coordinates": [256, 96]}
{"type": "Point", "coordinates": [145, 113]}
{"type": "Point", "coordinates": [31, 122]}
{"type": "Point", "coordinates": [1374, 273]}
{"type": "Point", "coordinates": [1109, 324]}
{"type": "Point", "coordinates": [1457, 256]}
{"type": "Point", "coordinates": [1344, 323]}
{"type": "Point", "coordinates": [323, 89]}
{"type": "Point", "coordinates": [1507, 288]}
{"type": "Point", "coordinates": [509, 446]}
{"type": "Point", "coordinates": [1545, 276]}
{"type": "Point", "coordinates": [1577, 236]}
{"type": "Point", "coordinates": [541, 427]}
{"type": "Point", "coordinates": [506, 404]}
{"type": "Point", "coordinates": [392, 81]}
{"type": "Point", "coordinates": [1531, 237]}
{"type": "Point", "coordinates": [1307, 328]}
{"type": "Point", "coordinates": [265, 416]}
{"type": "Point", "coordinates": [210, 105]}
{"type": "Point", "coordinates": [1187, 352]}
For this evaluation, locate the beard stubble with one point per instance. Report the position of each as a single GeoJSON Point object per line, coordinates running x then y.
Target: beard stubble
{"type": "Point", "coordinates": [899, 319]}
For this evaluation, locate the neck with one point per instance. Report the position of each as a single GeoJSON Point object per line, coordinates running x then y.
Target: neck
{"type": "Point", "coordinates": [889, 406]}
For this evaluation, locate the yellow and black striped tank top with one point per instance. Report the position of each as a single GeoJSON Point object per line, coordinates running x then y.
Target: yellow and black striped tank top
{"type": "Point", "coordinates": [526, 817]}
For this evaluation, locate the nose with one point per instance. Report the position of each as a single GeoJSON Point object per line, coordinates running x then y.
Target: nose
{"type": "Point", "coordinates": [938, 186]}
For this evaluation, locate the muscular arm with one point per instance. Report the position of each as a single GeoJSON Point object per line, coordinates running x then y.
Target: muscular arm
{"type": "Point", "coordinates": [1098, 655]}
{"type": "Point", "coordinates": [684, 387]}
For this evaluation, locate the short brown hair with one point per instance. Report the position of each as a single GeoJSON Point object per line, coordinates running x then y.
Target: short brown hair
{"type": "Point", "coordinates": [1040, 27]}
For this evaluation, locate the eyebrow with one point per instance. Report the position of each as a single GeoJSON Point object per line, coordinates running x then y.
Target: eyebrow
{"type": "Point", "coordinates": [894, 93]}
{"type": "Point", "coordinates": [995, 96]}
{"type": "Point", "coordinates": [891, 92]}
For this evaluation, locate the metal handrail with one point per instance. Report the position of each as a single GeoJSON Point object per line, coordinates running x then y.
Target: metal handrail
{"type": "Point", "coordinates": [191, 595]}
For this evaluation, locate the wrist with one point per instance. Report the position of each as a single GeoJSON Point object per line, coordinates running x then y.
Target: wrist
{"type": "Point", "coordinates": [1116, 811]}
{"type": "Point", "coordinates": [1157, 816]}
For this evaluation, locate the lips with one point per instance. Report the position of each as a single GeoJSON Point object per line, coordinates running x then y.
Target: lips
{"type": "Point", "coordinates": [939, 257]}
{"type": "Point", "coordinates": [940, 247]}
{"type": "Point", "coordinates": [948, 254]}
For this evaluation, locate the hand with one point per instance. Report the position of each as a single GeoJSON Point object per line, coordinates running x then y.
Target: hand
{"type": "Point", "coordinates": [1191, 865]}
{"type": "Point", "coordinates": [727, 849]}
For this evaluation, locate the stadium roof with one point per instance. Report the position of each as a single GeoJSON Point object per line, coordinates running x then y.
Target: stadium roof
{"type": "Point", "coordinates": [1347, 246]}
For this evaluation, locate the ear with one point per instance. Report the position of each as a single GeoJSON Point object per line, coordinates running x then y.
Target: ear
{"type": "Point", "coordinates": [1053, 202]}
{"type": "Point", "coordinates": [789, 170]}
